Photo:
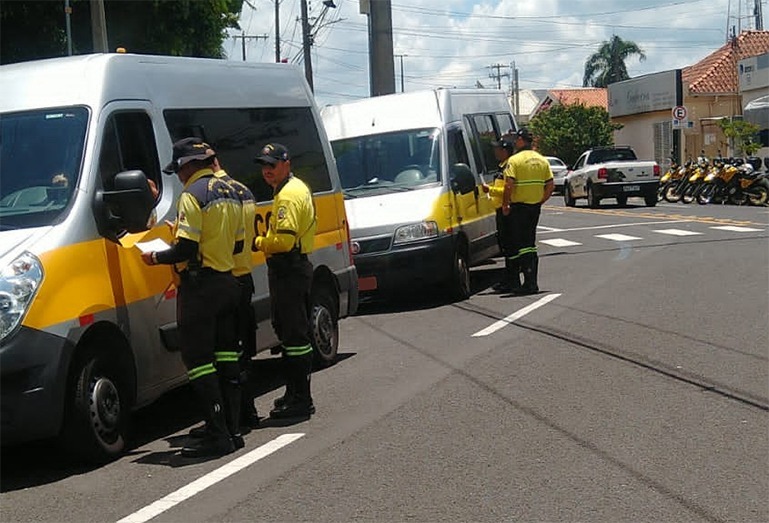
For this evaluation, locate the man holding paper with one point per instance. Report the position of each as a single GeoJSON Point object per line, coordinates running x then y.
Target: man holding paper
{"type": "Point", "coordinates": [208, 230]}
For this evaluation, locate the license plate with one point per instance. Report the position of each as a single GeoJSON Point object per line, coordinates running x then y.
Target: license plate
{"type": "Point", "coordinates": [631, 188]}
{"type": "Point", "coordinates": [367, 283]}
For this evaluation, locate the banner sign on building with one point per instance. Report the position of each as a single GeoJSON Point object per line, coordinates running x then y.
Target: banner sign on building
{"type": "Point", "coordinates": [651, 92]}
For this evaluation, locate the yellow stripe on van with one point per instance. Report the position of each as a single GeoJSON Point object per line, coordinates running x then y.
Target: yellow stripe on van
{"type": "Point", "coordinates": [95, 276]}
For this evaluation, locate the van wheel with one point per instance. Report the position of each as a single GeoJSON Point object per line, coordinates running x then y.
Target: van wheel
{"type": "Point", "coordinates": [460, 285]}
{"type": "Point", "coordinates": [593, 201]}
{"type": "Point", "coordinates": [96, 423]}
{"type": "Point", "coordinates": [325, 327]}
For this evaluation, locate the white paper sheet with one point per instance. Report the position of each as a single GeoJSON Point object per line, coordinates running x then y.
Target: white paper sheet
{"type": "Point", "coordinates": [153, 245]}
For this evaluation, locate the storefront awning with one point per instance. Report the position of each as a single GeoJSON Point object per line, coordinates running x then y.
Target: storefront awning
{"type": "Point", "coordinates": [757, 112]}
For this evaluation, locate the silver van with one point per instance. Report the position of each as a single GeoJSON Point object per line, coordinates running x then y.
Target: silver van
{"type": "Point", "coordinates": [411, 166]}
{"type": "Point", "coordinates": [87, 331]}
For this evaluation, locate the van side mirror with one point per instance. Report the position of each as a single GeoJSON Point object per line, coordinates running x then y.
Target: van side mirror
{"type": "Point", "coordinates": [127, 207]}
{"type": "Point", "coordinates": [462, 179]}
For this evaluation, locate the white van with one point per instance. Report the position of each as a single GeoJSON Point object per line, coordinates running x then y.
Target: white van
{"type": "Point", "coordinates": [411, 166]}
{"type": "Point", "coordinates": [87, 331]}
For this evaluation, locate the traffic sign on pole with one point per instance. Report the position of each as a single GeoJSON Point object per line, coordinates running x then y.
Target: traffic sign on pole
{"type": "Point", "coordinates": [679, 112]}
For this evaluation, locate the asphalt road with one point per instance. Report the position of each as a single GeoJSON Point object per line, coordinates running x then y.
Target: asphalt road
{"type": "Point", "coordinates": [634, 387]}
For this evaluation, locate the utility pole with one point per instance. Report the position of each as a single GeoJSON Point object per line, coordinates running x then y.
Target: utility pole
{"type": "Point", "coordinates": [67, 16]}
{"type": "Point", "coordinates": [306, 43]}
{"type": "Point", "coordinates": [499, 74]}
{"type": "Point", "coordinates": [401, 59]}
{"type": "Point", "coordinates": [99, 27]}
{"type": "Point", "coordinates": [380, 46]}
{"type": "Point", "coordinates": [516, 91]}
{"type": "Point", "coordinates": [243, 36]}
{"type": "Point", "coordinates": [277, 32]}
{"type": "Point", "coordinates": [759, 15]}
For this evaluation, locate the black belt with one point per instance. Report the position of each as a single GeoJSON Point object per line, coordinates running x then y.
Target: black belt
{"type": "Point", "coordinates": [203, 272]}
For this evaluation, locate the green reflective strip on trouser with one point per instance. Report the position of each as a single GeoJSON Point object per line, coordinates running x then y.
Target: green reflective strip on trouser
{"type": "Point", "coordinates": [527, 250]}
{"type": "Point", "coordinates": [199, 372]}
{"type": "Point", "coordinates": [226, 356]}
{"type": "Point", "coordinates": [513, 258]}
{"type": "Point", "coordinates": [298, 351]}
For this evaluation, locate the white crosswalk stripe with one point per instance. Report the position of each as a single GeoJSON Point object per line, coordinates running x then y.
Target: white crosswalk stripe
{"type": "Point", "coordinates": [618, 237]}
{"type": "Point", "coordinates": [677, 232]}
{"type": "Point", "coordinates": [734, 228]}
{"type": "Point", "coordinates": [560, 242]}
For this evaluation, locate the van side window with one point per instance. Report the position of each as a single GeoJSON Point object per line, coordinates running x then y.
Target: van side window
{"type": "Point", "coordinates": [128, 144]}
{"type": "Point", "coordinates": [486, 133]}
{"type": "Point", "coordinates": [238, 135]}
{"type": "Point", "coordinates": [505, 123]}
{"type": "Point", "coordinates": [457, 152]}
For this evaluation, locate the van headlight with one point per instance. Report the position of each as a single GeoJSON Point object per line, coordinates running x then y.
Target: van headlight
{"type": "Point", "coordinates": [19, 282]}
{"type": "Point", "coordinates": [415, 232]}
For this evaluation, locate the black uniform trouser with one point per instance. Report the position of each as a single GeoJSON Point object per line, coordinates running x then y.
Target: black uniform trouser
{"type": "Point", "coordinates": [290, 282]}
{"type": "Point", "coordinates": [206, 309]}
{"type": "Point", "coordinates": [524, 219]}
{"type": "Point", "coordinates": [205, 312]}
{"type": "Point", "coordinates": [504, 232]}
{"type": "Point", "coordinates": [246, 318]}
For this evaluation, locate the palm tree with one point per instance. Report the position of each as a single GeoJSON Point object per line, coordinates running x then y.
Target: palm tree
{"type": "Point", "coordinates": [607, 65]}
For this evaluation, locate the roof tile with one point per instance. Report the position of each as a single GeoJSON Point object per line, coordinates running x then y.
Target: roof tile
{"type": "Point", "coordinates": [717, 72]}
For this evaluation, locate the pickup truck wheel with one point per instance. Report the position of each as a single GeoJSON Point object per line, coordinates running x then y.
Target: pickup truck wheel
{"type": "Point", "coordinates": [622, 201]}
{"type": "Point", "coordinates": [593, 201]}
{"type": "Point", "coordinates": [651, 200]}
{"type": "Point", "coordinates": [568, 198]}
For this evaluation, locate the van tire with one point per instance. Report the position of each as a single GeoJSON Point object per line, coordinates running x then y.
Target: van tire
{"type": "Point", "coordinates": [324, 325]}
{"type": "Point", "coordinates": [98, 408]}
{"type": "Point", "coordinates": [460, 279]}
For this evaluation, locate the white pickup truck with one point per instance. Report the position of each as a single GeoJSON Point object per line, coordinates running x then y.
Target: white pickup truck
{"type": "Point", "coordinates": [611, 172]}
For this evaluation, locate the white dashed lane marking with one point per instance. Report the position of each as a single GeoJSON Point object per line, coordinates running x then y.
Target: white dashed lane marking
{"type": "Point", "coordinates": [213, 477]}
{"type": "Point", "coordinates": [618, 237]}
{"type": "Point", "coordinates": [560, 242]}
{"type": "Point", "coordinates": [677, 232]}
{"type": "Point", "coordinates": [494, 327]}
{"type": "Point", "coordinates": [735, 228]}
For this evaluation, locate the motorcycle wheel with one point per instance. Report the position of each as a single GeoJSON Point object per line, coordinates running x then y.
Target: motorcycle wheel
{"type": "Point", "coordinates": [671, 195]}
{"type": "Point", "coordinates": [687, 196]}
{"type": "Point", "coordinates": [757, 195]}
{"type": "Point", "coordinates": [705, 196]}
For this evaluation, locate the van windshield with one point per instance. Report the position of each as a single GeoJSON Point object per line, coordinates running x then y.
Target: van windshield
{"type": "Point", "coordinates": [40, 157]}
{"type": "Point", "coordinates": [390, 162]}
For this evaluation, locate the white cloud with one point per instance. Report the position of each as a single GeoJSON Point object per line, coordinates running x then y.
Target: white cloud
{"type": "Point", "coordinates": [456, 42]}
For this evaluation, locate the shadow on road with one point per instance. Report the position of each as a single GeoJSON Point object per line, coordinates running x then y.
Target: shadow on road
{"type": "Point", "coordinates": [39, 463]}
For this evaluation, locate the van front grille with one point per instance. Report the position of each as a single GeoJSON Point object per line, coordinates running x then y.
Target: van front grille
{"type": "Point", "coordinates": [373, 245]}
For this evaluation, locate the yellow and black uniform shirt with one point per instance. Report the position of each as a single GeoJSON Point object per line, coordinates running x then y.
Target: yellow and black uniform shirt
{"type": "Point", "coordinates": [292, 223]}
{"type": "Point", "coordinates": [531, 171]}
{"type": "Point", "coordinates": [497, 188]}
{"type": "Point", "coordinates": [243, 261]}
{"type": "Point", "coordinates": [209, 213]}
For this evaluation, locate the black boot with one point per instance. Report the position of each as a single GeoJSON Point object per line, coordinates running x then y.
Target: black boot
{"type": "Point", "coordinates": [249, 418]}
{"type": "Point", "coordinates": [229, 374]}
{"type": "Point", "coordinates": [512, 279]}
{"type": "Point", "coordinates": [217, 440]}
{"type": "Point", "coordinates": [530, 270]}
{"type": "Point", "coordinates": [300, 403]}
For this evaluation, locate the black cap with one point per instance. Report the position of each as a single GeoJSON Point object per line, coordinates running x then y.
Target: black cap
{"type": "Point", "coordinates": [506, 141]}
{"type": "Point", "coordinates": [524, 133]}
{"type": "Point", "coordinates": [187, 150]}
{"type": "Point", "coordinates": [272, 153]}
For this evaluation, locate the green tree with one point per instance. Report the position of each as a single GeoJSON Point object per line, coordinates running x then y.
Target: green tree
{"type": "Point", "coordinates": [744, 135]}
{"type": "Point", "coordinates": [607, 65]}
{"type": "Point", "coordinates": [566, 131]}
{"type": "Point", "coordinates": [31, 30]}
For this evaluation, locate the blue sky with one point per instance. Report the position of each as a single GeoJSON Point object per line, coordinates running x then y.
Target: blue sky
{"type": "Point", "coordinates": [451, 43]}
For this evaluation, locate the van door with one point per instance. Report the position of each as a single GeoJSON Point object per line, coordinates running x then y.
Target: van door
{"type": "Point", "coordinates": [144, 297]}
{"type": "Point", "coordinates": [471, 209]}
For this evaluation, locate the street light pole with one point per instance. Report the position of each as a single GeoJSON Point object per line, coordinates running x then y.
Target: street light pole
{"type": "Point", "coordinates": [67, 16]}
{"type": "Point", "coordinates": [401, 60]}
{"type": "Point", "coordinates": [277, 32]}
